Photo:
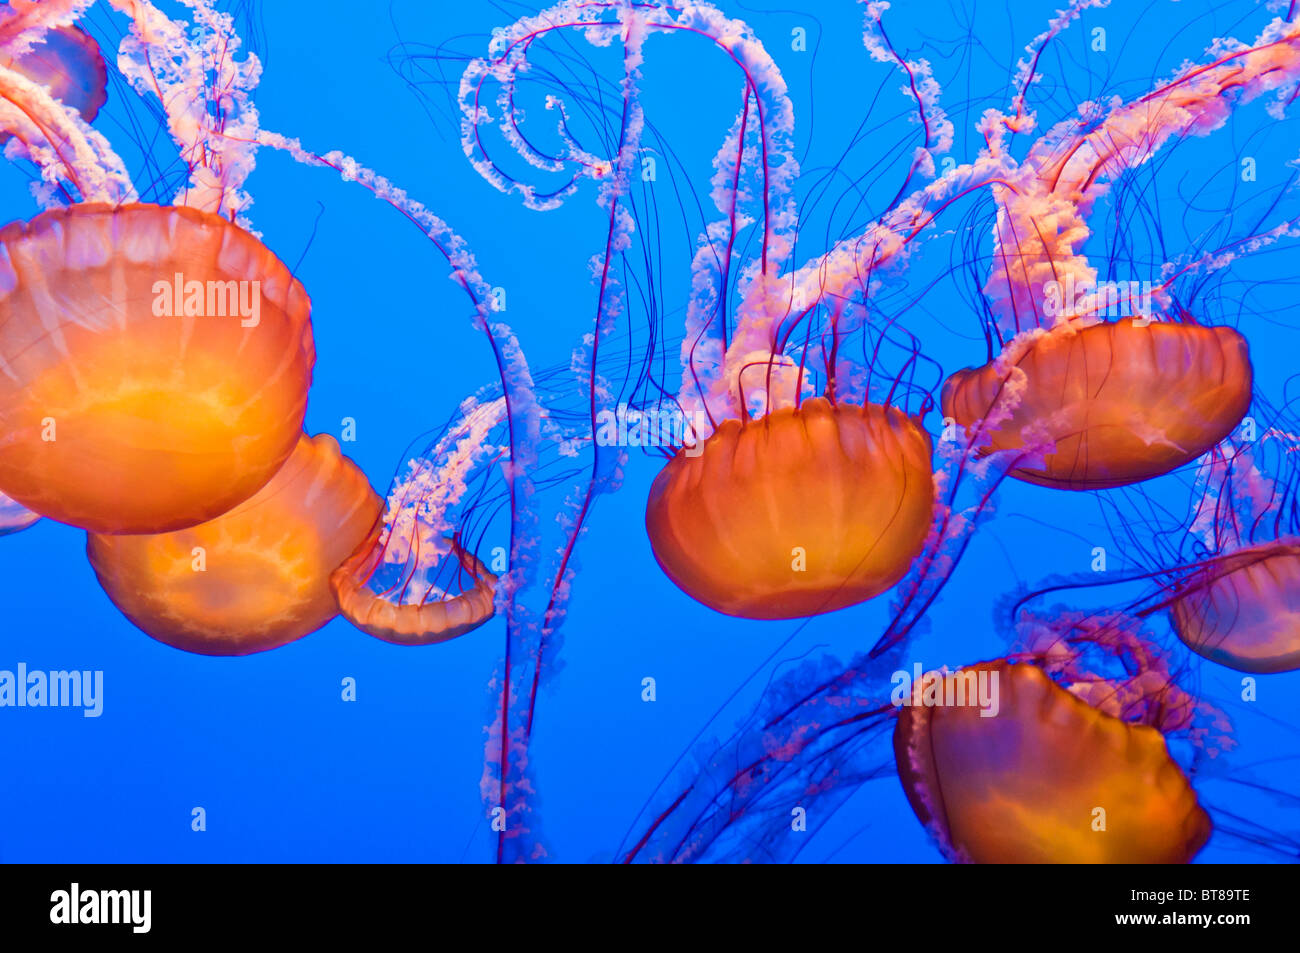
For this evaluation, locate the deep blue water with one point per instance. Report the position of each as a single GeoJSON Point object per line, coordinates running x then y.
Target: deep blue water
{"type": "Point", "coordinates": [287, 771]}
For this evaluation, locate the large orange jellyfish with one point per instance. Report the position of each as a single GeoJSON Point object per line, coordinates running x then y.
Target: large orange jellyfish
{"type": "Point", "coordinates": [254, 578]}
{"type": "Point", "coordinates": [67, 61]}
{"type": "Point", "coordinates": [1065, 759]}
{"type": "Point", "coordinates": [1059, 753]}
{"type": "Point", "coordinates": [1030, 784]}
{"type": "Point", "coordinates": [1123, 401]}
{"type": "Point", "coordinates": [413, 580]}
{"type": "Point", "coordinates": [154, 366]}
{"type": "Point", "coordinates": [807, 487]}
{"type": "Point", "coordinates": [805, 510]}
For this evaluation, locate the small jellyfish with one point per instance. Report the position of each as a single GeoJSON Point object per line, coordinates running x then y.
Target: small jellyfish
{"type": "Point", "coordinates": [69, 63]}
{"type": "Point", "coordinates": [1243, 611]}
{"type": "Point", "coordinates": [255, 578]}
{"type": "Point", "coordinates": [1122, 401]}
{"type": "Point", "coordinates": [413, 581]}
{"type": "Point", "coordinates": [154, 366]}
{"type": "Point", "coordinates": [805, 510]}
{"type": "Point", "coordinates": [1229, 578]}
{"type": "Point", "coordinates": [422, 622]}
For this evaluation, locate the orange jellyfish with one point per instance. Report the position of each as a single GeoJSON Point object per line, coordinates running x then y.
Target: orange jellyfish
{"type": "Point", "coordinates": [1231, 586]}
{"type": "Point", "coordinates": [1048, 779]}
{"type": "Point", "coordinates": [1064, 758]}
{"type": "Point", "coordinates": [69, 63]}
{"type": "Point", "coordinates": [1125, 400]}
{"type": "Point", "coordinates": [413, 581]}
{"type": "Point", "coordinates": [805, 510]}
{"type": "Point", "coordinates": [154, 366]}
{"type": "Point", "coordinates": [1122, 401]}
{"type": "Point", "coordinates": [252, 579]}
{"type": "Point", "coordinates": [416, 619]}
{"type": "Point", "coordinates": [1243, 611]}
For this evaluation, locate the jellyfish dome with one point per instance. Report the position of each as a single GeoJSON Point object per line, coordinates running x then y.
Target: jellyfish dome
{"type": "Point", "coordinates": [805, 510]}
{"type": "Point", "coordinates": [1243, 611]}
{"type": "Point", "coordinates": [252, 579]}
{"type": "Point", "coordinates": [1229, 578]}
{"type": "Point", "coordinates": [419, 620]}
{"type": "Point", "coordinates": [1122, 401]}
{"type": "Point", "coordinates": [154, 366]}
{"type": "Point", "coordinates": [414, 581]}
{"type": "Point", "coordinates": [69, 63]}
{"type": "Point", "coordinates": [1049, 779]}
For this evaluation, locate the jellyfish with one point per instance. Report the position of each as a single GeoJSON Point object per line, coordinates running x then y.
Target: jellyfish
{"type": "Point", "coordinates": [255, 578]}
{"type": "Point", "coordinates": [804, 510]}
{"type": "Point", "coordinates": [413, 581]}
{"type": "Point", "coordinates": [794, 490]}
{"type": "Point", "coordinates": [766, 543]}
{"type": "Point", "coordinates": [1227, 571]}
{"type": "Point", "coordinates": [1239, 605]}
{"type": "Point", "coordinates": [1074, 764]}
{"type": "Point", "coordinates": [13, 517]}
{"type": "Point", "coordinates": [66, 59]}
{"type": "Point", "coordinates": [1061, 751]}
{"type": "Point", "coordinates": [1242, 611]}
{"type": "Point", "coordinates": [762, 338]}
{"type": "Point", "coordinates": [1123, 400]}
{"type": "Point", "coordinates": [816, 735]}
{"type": "Point", "coordinates": [155, 358]}
{"type": "Point", "coordinates": [156, 364]}
{"type": "Point", "coordinates": [1048, 779]}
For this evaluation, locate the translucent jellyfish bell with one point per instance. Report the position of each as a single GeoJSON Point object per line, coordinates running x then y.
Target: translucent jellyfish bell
{"type": "Point", "coordinates": [69, 63]}
{"type": "Point", "coordinates": [254, 578]}
{"type": "Point", "coordinates": [1122, 401]}
{"type": "Point", "coordinates": [413, 581]}
{"type": "Point", "coordinates": [1027, 785]}
{"type": "Point", "coordinates": [154, 366]}
{"type": "Point", "coordinates": [805, 510]}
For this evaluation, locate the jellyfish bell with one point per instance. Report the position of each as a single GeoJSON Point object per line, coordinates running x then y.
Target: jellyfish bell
{"type": "Point", "coordinates": [414, 618]}
{"type": "Point", "coordinates": [1243, 611]}
{"type": "Point", "coordinates": [1228, 577]}
{"type": "Point", "coordinates": [414, 580]}
{"type": "Point", "coordinates": [805, 510]}
{"type": "Point", "coordinates": [67, 61]}
{"type": "Point", "coordinates": [255, 578]}
{"type": "Point", "coordinates": [1123, 401]}
{"type": "Point", "coordinates": [1027, 785]}
{"type": "Point", "coordinates": [154, 366]}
